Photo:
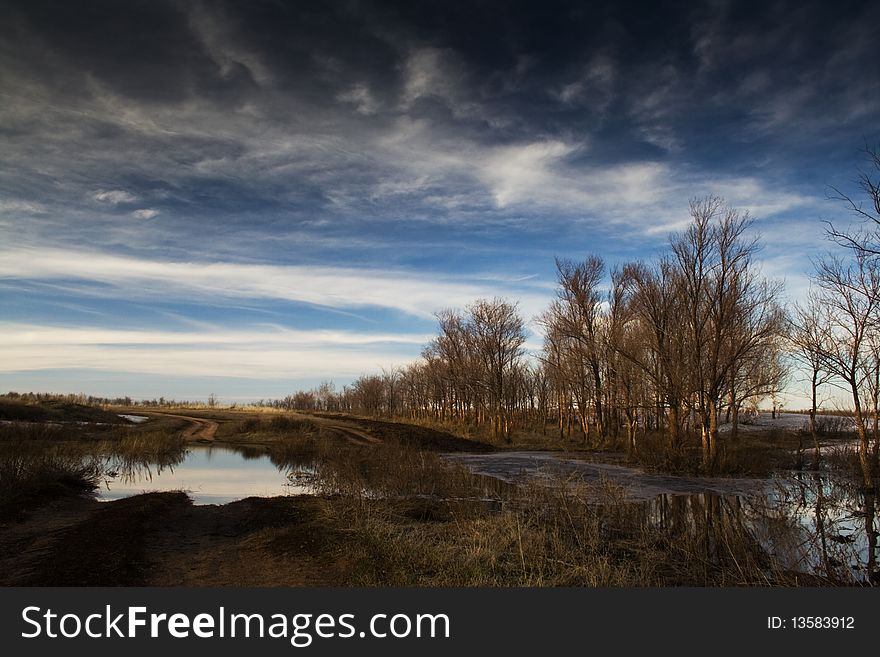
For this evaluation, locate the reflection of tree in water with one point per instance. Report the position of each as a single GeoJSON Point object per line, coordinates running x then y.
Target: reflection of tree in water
{"type": "Point", "coordinates": [816, 525]}
{"type": "Point", "coordinates": [716, 533]}
{"type": "Point", "coordinates": [248, 453]}
{"type": "Point", "coordinates": [839, 519]}
{"type": "Point", "coordinates": [870, 513]}
{"type": "Point", "coordinates": [128, 469]}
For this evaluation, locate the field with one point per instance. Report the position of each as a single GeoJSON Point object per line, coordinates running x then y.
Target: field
{"type": "Point", "coordinates": [393, 504]}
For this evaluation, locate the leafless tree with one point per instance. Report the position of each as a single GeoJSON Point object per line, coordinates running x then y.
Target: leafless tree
{"type": "Point", "coordinates": [850, 292]}
{"type": "Point", "coordinates": [729, 312]}
{"type": "Point", "coordinates": [809, 337]}
{"type": "Point", "coordinates": [498, 334]}
{"type": "Point", "coordinates": [577, 317]}
{"type": "Point", "coordinates": [654, 303]}
{"type": "Point", "coordinates": [864, 238]}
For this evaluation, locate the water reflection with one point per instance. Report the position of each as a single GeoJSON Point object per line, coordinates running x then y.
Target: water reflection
{"type": "Point", "coordinates": [821, 524]}
{"type": "Point", "coordinates": [818, 525]}
{"type": "Point", "coordinates": [837, 522]}
{"type": "Point", "coordinates": [211, 474]}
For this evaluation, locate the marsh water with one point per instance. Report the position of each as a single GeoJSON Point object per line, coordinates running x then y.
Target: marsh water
{"type": "Point", "coordinates": [812, 522]}
{"type": "Point", "coordinates": [211, 474]}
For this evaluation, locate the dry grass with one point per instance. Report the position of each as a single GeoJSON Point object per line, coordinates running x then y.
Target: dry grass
{"type": "Point", "coordinates": [29, 475]}
{"type": "Point", "coordinates": [410, 518]}
{"type": "Point", "coordinates": [42, 460]}
{"type": "Point", "coordinates": [551, 538]}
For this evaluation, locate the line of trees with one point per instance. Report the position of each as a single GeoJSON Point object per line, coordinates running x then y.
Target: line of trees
{"type": "Point", "coordinates": [678, 345]}
{"type": "Point", "coordinates": [675, 344]}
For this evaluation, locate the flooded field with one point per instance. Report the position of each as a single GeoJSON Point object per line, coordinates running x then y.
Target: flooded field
{"type": "Point", "coordinates": [210, 474]}
{"type": "Point", "coordinates": [633, 484]}
{"type": "Point", "coordinates": [817, 523]}
{"type": "Point", "coordinates": [384, 503]}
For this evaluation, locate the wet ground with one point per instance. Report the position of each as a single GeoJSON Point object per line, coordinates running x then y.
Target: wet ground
{"type": "Point", "coordinates": [634, 484]}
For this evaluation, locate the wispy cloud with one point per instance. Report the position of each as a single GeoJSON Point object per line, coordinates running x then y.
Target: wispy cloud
{"type": "Point", "coordinates": [263, 352]}
{"type": "Point", "coordinates": [414, 293]}
{"type": "Point", "coordinates": [115, 196]}
{"type": "Point", "coordinates": [359, 95]}
{"type": "Point", "coordinates": [145, 213]}
{"type": "Point", "coordinates": [17, 334]}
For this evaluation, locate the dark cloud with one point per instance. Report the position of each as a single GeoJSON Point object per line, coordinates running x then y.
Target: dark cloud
{"type": "Point", "coordinates": [291, 114]}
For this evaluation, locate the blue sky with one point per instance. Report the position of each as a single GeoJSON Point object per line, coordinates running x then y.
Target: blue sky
{"type": "Point", "coordinates": [250, 198]}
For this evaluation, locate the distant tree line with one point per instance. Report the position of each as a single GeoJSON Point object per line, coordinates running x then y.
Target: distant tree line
{"type": "Point", "coordinates": [679, 345]}
{"type": "Point", "coordinates": [674, 344]}
{"type": "Point", "coordinates": [70, 398]}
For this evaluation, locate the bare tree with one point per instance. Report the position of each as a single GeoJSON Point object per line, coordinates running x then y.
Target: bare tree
{"type": "Point", "coordinates": [863, 239]}
{"type": "Point", "coordinates": [498, 334]}
{"type": "Point", "coordinates": [654, 303]}
{"type": "Point", "coordinates": [391, 380]}
{"type": "Point", "coordinates": [851, 295]}
{"type": "Point", "coordinates": [810, 336]}
{"type": "Point", "coordinates": [757, 375]}
{"type": "Point", "coordinates": [577, 315]}
{"type": "Point", "coordinates": [627, 348]}
{"type": "Point", "coordinates": [729, 312]}
{"type": "Point", "coordinates": [554, 365]}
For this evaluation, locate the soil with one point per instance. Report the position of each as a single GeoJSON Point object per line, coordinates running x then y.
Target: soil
{"type": "Point", "coordinates": [162, 539]}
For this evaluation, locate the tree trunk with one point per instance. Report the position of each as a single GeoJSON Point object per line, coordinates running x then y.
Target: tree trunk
{"type": "Point", "coordinates": [674, 423]}
{"type": "Point", "coordinates": [813, 434]}
{"type": "Point", "coordinates": [864, 458]}
{"type": "Point", "coordinates": [734, 421]}
{"type": "Point", "coordinates": [713, 435]}
{"type": "Point", "coordinates": [709, 436]}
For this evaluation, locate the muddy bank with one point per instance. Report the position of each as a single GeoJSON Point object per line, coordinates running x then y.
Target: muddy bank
{"type": "Point", "coordinates": [161, 539]}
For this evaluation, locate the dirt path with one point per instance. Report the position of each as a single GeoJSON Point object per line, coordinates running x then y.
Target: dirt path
{"type": "Point", "coordinates": [199, 430]}
{"type": "Point", "coordinates": [363, 431]}
{"type": "Point", "coordinates": [203, 430]}
{"type": "Point", "coordinates": [354, 436]}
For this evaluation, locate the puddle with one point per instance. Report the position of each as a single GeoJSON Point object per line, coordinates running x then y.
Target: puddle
{"type": "Point", "coordinates": [137, 419]}
{"type": "Point", "coordinates": [635, 484]}
{"type": "Point", "coordinates": [211, 474]}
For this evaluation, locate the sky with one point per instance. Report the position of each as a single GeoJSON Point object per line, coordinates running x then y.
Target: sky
{"type": "Point", "coordinates": [249, 198]}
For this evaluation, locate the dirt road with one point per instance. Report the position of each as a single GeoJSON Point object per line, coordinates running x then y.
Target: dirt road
{"type": "Point", "coordinates": [354, 436]}
{"type": "Point", "coordinates": [199, 429]}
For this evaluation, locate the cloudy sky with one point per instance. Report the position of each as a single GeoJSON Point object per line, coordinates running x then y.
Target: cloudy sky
{"type": "Point", "coordinates": [247, 198]}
